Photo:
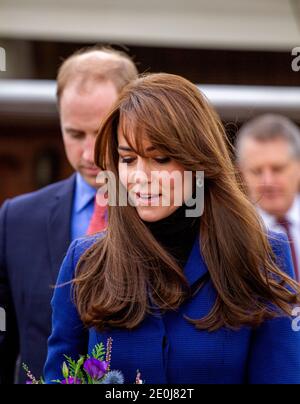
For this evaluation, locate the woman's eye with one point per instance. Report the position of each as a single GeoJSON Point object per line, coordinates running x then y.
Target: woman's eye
{"type": "Point", "coordinates": [162, 160]}
{"type": "Point", "coordinates": [159, 160]}
{"type": "Point", "coordinates": [127, 160]}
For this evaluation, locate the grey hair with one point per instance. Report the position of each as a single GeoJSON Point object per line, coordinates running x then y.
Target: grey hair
{"type": "Point", "coordinates": [269, 127]}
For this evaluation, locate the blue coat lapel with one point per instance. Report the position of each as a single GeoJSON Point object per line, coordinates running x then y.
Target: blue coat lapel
{"type": "Point", "coordinates": [195, 267]}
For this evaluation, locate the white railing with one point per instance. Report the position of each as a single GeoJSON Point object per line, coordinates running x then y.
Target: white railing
{"type": "Point", "coordinates": [36, 99]}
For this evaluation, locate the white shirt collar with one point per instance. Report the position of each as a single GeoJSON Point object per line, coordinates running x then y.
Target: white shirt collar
{"type": "Point", "coordinates": [293, 214]}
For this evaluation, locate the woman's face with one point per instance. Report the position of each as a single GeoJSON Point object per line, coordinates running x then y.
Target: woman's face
{"type": "Point", "coordinates": [155, 183]}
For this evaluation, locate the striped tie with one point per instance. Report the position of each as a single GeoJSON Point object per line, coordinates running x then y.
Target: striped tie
{"type": "Point", "coordinates": [284, 222]}
{"type": "Point", "coordinates": [98, 221]}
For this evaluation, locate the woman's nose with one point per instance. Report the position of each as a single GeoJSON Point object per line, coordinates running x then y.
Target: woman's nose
{"type": "Point", "coordinates": [142, 172]}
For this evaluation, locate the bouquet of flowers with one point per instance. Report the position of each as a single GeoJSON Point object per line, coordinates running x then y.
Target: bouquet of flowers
{"type": "Point", "coordinates": [94, 369]}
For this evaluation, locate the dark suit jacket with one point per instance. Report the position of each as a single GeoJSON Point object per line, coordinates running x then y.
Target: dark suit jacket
{"type": "Point", "coordinates": [34, 237]}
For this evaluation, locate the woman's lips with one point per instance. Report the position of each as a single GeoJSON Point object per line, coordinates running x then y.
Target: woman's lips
{"type": "Point", "coordinates": [146, 199]}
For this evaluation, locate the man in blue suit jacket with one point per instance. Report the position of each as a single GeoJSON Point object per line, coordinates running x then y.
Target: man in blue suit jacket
{"type": "Point", "coordinates": [34, 236]}
{"type": "Point", "coordinates": [36, 229]}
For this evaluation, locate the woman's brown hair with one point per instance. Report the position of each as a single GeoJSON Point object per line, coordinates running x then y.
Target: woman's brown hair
{"type": "Point", "coordinates": [127, 274]}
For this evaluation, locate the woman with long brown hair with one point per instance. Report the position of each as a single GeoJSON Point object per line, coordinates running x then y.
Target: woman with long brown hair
{"type": "Point", "coordinates": [187, 297]}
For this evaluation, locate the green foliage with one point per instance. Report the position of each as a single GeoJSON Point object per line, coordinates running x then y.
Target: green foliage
{"type": "Point", "coordinates": [31, 378]}
{"type": "Point", "coordinates": [99, 352]}
{"type": "Point", "coordinates": [73, 371]}
{"type": "Point", "coordinates": [75, 367]}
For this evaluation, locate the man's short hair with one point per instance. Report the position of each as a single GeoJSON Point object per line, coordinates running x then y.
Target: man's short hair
{"type": "Point", "coordinates": [96, 64]}
{"type": "Point", "coordinates": [269, 127]}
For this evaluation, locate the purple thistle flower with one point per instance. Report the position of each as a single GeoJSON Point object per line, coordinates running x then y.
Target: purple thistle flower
{"type": "Point", "coordinates": [114, 377]}
{"type": "Point", "coordinates": [71, 380]}
{"type": "Point", "coordinates": [95, 368]}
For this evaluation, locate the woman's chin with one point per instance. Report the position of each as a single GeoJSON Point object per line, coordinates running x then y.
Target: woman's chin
{"type": "Point", "coordinates": [154, 213]}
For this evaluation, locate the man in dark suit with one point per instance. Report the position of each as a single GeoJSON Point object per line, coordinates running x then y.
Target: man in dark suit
{"type": "Point", "coordinates": [36, 229]}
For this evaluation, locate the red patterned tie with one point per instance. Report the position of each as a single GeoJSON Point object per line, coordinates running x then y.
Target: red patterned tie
{"type": "Point", "coordinates": [287, 227]}
{"type": "Point", "coordinates": [98, 221]}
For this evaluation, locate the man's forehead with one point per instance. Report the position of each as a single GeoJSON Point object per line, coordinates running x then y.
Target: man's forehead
{"type": "Point", "coordinates": [86, 107]}
{"type": "Point", "coordinates": [86, 86]}
{"type": "Point", "coordinates": [254, 152]}
{"type": "Point", "coordinates": [257, 146]}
